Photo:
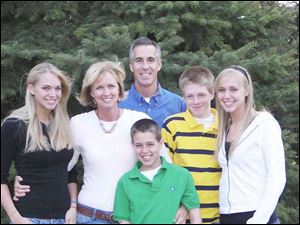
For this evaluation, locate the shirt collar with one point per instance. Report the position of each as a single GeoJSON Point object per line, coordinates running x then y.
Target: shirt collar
{"type": "Point", "coordinates": [193, 123]}
{"type": "Point", "coordinates": [138, 97]}
{"type": "Point", "coordinates": [136, 173]}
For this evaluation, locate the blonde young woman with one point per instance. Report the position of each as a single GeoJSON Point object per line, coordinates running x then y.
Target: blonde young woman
{"type": "Point", "coordinates": [250, 152]}
{"type": "Point", "coordinates": [37, 138]}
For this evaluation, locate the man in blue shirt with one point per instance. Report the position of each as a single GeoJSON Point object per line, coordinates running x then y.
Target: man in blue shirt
{"type": "Point", "coordinates": [146, 95]}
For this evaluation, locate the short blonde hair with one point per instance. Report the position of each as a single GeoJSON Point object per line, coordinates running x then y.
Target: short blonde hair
{"type": "Point", "coordinates": [94, 72]}
{"type": "Point", "coordinates": [197, 75]}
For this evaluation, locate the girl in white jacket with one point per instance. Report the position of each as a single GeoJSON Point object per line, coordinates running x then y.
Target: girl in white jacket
{"type": "Point", "coordinates": [250, 152]}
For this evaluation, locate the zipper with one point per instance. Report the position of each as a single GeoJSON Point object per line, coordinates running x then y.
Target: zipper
{"type": "Point", "coordinates": [228, 192]}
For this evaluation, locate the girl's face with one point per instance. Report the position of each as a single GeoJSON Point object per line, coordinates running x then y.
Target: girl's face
{"type": "Point", "coordinates": [231, 93]}
{"type": "Point", "coordinates": [47, 92]}
{"type": "Point", "coordinates": [105, 91]}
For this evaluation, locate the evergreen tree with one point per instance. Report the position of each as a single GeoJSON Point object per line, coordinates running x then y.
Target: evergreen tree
{"type": "Point", "coordinates": [261, 36]}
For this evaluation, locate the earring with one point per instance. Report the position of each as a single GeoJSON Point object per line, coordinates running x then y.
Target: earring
{"type": "Point", "coordinates": [32, 94]}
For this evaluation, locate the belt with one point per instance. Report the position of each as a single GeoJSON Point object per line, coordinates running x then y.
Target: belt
{"type": "Point", "coordinates": [99, 215]}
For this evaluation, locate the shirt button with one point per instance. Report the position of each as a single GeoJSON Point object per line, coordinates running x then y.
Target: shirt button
{"type": "Point", "coordinates": [149, 110]}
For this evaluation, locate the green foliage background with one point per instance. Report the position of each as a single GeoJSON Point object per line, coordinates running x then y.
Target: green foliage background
{"type": "Point", "coordinates": [262, 36]}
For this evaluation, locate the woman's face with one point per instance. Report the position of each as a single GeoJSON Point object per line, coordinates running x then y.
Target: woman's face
{"type": "Point", "coordinates": [46, 92]}
{"type": "Point", "coordinates": [231, 93]}
{"type": "Point", "coordinates": [105, 91]}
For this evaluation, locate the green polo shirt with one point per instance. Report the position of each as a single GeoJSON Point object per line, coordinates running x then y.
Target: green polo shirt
{"type": "Point", "coordinates": [139, 200]}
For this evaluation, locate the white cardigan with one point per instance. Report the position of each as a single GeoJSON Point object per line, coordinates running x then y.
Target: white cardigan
{"type": "Point", "coordinates": [254, 177]}
{"type": "Point", "coordinates": [106, 157]}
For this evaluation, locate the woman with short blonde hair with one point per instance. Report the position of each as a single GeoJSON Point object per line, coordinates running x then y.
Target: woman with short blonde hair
{"type": "Point", "coordinates": [94, 73]}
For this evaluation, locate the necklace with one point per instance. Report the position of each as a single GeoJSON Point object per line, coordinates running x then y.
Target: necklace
{"type": "Point", "coordinates": [108, 131]}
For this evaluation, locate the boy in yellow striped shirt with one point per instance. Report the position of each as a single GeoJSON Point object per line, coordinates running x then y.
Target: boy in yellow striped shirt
{"type": "Point", "coordinates": [191, 136]}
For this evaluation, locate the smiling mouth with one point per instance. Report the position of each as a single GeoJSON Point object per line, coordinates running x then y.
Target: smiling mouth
{"type": "Point", "coordinates": [107, 99]}
{"type": "Point", "coordinates": [51, 100]}
{"type": "Point", "coordinates": [145, 75]}
{"type": "Point", "coordinates": [146, 158]}
{"type": "Point", "coordinates": [228, 103]}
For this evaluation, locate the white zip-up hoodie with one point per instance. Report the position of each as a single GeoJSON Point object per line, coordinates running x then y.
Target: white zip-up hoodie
{"type": "Point", "coordinates": [254, 176]}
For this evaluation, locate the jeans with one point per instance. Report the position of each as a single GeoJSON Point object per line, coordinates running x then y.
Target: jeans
{"type": "Point", "coordinates": [83, 219]}
{"type": "Point", "coordinates": [277, 221]}
{"type": "Point", "coordinates": [46, 221]}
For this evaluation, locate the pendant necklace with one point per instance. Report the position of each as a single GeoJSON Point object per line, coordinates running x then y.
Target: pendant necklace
{"type": "Point", "coordinates": [109, 131]}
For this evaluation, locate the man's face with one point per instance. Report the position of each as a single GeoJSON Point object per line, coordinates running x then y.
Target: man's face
{"type": "Point", "coordinates": [145, 65]}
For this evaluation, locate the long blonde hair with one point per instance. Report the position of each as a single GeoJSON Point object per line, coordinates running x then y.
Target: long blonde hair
{"type": "Point", "coordinates": [59, 128]}
{"type": "Point", "coordinates": [224, 117]}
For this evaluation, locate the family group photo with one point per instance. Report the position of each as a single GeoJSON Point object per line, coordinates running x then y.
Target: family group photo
{"type": "Point", "coordinates": [149, 112]}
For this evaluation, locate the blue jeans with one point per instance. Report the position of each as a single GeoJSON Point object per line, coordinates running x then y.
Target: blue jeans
{"type": "Point", "coordinates": [46, 221]}
{"type": "Point", "coordinates": [83, 219]}
{"type": "Point", "coordinates": [277, 221]}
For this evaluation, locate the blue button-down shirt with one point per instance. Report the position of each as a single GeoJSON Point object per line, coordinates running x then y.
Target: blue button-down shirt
{"type": "Point", "coordinates": [163, 104]}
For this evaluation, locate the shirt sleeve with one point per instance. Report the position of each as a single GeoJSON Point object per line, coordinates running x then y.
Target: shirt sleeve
{"type": "Point", "coordinates": [8, 147]}
{"type": "Point", "coordinates": [190, 197]}
{"type": "Point", "coordinates": [274, 159]}
{"type": "Point", "coordinates": [74, 159]}
{"type": "Point", "coordinates": [76, 137]}
{"type": "Point", "coordinates": [121, 203]}
{"type": "Point", "coordinates": [72, 175]}
{"type": "Point", "coordinates": [169, 142]}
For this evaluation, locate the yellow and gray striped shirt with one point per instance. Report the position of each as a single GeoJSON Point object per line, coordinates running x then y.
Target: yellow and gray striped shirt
{"type": "Point", "coordinates": [192, 146]}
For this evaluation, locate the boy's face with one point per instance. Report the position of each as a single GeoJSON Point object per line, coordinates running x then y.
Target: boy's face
{"type": "Point", "coordinates": [197, 98]}
{"type": "Point", "coordinates": [147, 150]}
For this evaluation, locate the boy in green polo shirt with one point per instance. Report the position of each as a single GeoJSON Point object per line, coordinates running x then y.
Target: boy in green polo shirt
{"type": "Point", "coordinates": [154, 189]}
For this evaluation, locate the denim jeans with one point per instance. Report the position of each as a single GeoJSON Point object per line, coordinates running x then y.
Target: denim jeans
{"type": "Point", "coordinates": [46, 221]}
{"type": "Point", "coordinates": [83, 219]}
{"type": "Point", "coordinates": [276, 221]}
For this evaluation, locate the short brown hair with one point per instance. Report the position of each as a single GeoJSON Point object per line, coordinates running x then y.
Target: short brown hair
{"type": "Point", "coordinates": [146, 125]}
{"type": "Point", "coordinates": [199, 75]}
